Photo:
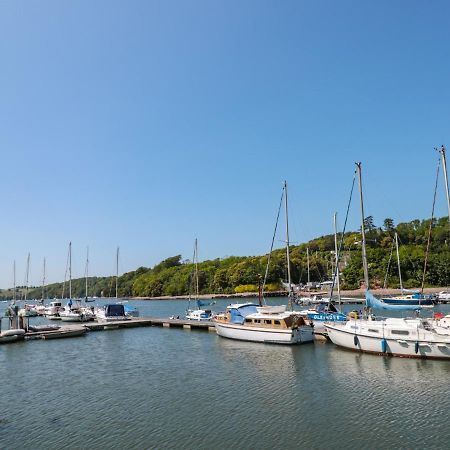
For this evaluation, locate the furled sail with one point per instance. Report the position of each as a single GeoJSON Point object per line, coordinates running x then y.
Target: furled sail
{"type": "Point", "coordinates": [375, 303]}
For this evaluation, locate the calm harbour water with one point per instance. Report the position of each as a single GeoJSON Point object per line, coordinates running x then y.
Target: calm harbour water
{"type": "Point", "coordinates": [172, 388]}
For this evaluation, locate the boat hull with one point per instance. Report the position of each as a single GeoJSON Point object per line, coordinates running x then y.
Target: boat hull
{"type": "Point", "coordinates": [405, 348]}
{"type": "Point", "coordinates": [409, 302]}
{"type": "Point", "coordinates": [299, 335]}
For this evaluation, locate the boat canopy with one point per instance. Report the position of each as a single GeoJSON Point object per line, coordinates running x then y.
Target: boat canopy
{"type": "Point", "coordinates": [373, 302]}
{"type": "Point", "coordinates": [114, 310]}
{"type": "Point", "coordinates": [239, 314]}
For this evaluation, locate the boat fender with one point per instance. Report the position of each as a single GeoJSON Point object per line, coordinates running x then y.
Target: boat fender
{"type": "Point", "coordinates": [383, 345]}
{"type": "Point", "coordinates": [416, 347]}
{"type": "Point", "coordinates": [355, 340]}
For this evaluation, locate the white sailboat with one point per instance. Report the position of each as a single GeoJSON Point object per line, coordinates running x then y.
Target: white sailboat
{"type": "Point", "coordinates": [27, 310]}
{"type": "Point", "coordinates": [75, 313]}
{"type": "Point", "coordinates": [114, 312]}
{"type": "Point", "coordinates": [199, 313]}
{"type": "Point", "coordinates": [39, 308]}
{"type": "Point", "coordinates": [415, 337]}
{"type": "Point", "coordinates": [407, 297]}
{"type": "Point", "coordinates": [86, 278]}
{"type": "Point", "coordinates": [268, 324]}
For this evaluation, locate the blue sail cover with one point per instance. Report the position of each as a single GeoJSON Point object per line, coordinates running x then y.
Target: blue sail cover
{"type": "Point", "coordinates": [239, 314]}
{"type": "Point", "coordinates": [200, 303]}
{"type": "Point", "coordinates": [373, 302]}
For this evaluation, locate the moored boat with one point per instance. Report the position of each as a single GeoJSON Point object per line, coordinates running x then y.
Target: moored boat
{"type": "Point", "coordinates": [53, 309]}
{"type": "Point", "coordinates": [411, 337]}
{"type": "Point", "coordinates": [245, 322]}
{"type": "Point", "coordinates": [199, 314]}
{"type": "Point", "coordinates": [110, 313]}
{"type": "Point", "coordinates": [414, 337]}
{"type": "Point", "coordinates": [263, 323]}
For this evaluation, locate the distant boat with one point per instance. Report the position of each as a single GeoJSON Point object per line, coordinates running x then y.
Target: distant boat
{"type": "Point", "coordinates": [268, 324]}
{"type": "Point", "coordinates": [71, 313]}
{"type": "Point", "coordinates": [111, 313]}
{"type": "Point", "coordinates": [410, 298]}
{"type": "Point", "coordinates": [443, 295]}
{"type": "Point", "coordinates": [53, 309]}
{"type": "Point", "coordinates": [87, 299]}
{"type": "Point", "coordinates": [199, 314]}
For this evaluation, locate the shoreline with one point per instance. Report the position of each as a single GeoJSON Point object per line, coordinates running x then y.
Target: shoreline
{"type": "Point", "coordinates": [355, 293]}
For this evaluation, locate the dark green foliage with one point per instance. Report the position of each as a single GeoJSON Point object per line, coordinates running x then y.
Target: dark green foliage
{"type": "Point", "coordinates": [174, 277]}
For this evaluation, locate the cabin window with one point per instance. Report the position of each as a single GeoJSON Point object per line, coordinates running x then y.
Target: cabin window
{"type": "Point", "coordinates": [248, 320]}
{"type": "Point", "coordinates": [276, 322]}
{"type": "Point", "coordinates": [401, 332]}
{"type": "Point", "coordinates": [371, 330]}
{"type": "Point", "coordinates": [257, 321]}
{"type": "Point", "coordinates": [268, 322]}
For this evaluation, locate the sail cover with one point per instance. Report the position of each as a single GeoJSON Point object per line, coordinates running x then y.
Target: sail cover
{"type": "Point", "coordinates": [373, 302]}
{"type": "Point", "coordinates": [239, 314]}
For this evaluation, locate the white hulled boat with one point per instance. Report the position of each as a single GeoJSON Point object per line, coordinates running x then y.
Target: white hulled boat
{"type": "Point", "coordinates": [199, 314]}
{"type": "Point", "coordinates": [416, 337]}
{"type": "Point", "coordinates": [53, 309]}
{"type": "Point", "coordinates": [111, 313]}
{"type": "Point", "coordinates": [269, 324]}
{"type": "Point", "coordinates": [248, 322]}
{"type": "Point", "coordinates": [76, 314]}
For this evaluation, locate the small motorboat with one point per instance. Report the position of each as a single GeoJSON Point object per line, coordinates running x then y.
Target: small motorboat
{"type": "Point", "coordinates": [199, 314]}
{"type": "Point", "coordinates": [111, 313]}
{"type": "Point", "coordinates": [52, 311]}
{"type": "Point", "coordinates": [76, 314]}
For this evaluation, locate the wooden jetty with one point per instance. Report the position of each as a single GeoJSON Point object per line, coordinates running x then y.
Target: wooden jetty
{"type": "Point", "coordinates": [80, 329]}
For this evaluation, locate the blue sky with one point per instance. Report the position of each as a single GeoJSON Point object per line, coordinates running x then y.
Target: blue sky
{"type": "Point", "coordinates": [146, 124]}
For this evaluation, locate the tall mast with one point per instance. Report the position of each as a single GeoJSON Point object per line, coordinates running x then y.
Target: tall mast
{"type": "Point", "coordinates": [87, 271]}
{"type": "Point", "coordinates": [307, 262]}
{"type": "Point", "coordinates": [287, 246]}
{"type": "Point", "coordinates": [196, 270]}
{"type": "Point", "coordinates": [14, 276]}
{"type": "Point", "coordinates": [117, 273]}
{"type": "Point", "coordinates": [398, 263]}
{"type": "Point", "coordinates": [43, 280]}
{"type": "Point", "coordinates": [444, 165]}
{"type": "Point", "coordinates": [337, 259]}
{"type": "Point", "coordinates": [363, 232]}
{"type": "Point", "coordinates": [27, 276]}
{"type": "Point", "coordinates": [70, 270]}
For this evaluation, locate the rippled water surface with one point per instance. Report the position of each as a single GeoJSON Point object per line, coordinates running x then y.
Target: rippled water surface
{"type": "Point", "coordinates": [173, 388]}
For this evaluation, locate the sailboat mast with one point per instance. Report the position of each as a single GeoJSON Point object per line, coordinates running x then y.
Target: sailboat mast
{"type": "Point", "coordinates": [27, 276]}
{"type": "Point", "coordinates": [337, 259]}
{"type": "Point", "coordinates": [70, 270]}
{"type": "Point", "coordinates": [14, 276]}
{"type": "Point", "coordinates": [43, 280]}
{"type": "Point", "coordinates": [444, 165]}
{"type": "Point", "coordinates": [307, 263]}
{"type": "Point", "coordinates": [287, 246]}
{"type": "Point", "coordinates": [363, 233]}
{"type": "Point", "coordinates": [87, 272]}
{"type": "Point", "coordinates": [398, 263]}
{"type": "Point", "coordinates": [196, 270]}
{"type": "Point", "coordinates": [117, 273]}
